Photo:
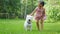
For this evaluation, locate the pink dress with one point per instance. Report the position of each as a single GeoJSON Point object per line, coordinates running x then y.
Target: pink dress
{"type": "Point", "coordinates": [39, 14]}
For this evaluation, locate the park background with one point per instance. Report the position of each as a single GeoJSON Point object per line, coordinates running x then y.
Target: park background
{"type": "Point", "coordinates": [13, 13]}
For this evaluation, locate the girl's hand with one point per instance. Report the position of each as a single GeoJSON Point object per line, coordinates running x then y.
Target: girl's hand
{"type": "Point", "coordinates": [31, 14]}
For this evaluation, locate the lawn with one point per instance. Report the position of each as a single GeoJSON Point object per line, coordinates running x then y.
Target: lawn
{"type": "Point", "coordinates": [16, 26]}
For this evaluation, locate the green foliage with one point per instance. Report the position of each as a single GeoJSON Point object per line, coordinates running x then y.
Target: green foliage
{"type": "Point", "coordinates": [9, 6]}
{"type": "Point", "coordinates": [52, 11]}
{"type": "Point", "coordinates": [20, 8]}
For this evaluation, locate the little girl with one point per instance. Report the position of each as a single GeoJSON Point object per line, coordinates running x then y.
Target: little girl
{"type": "Point", "coordinates": [40, 14]}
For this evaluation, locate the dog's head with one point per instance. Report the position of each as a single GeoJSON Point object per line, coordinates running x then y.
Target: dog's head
{"type": "Point", "coordinates": [29, 21]}
{"type": "Point", "coordinates": [29, 17]}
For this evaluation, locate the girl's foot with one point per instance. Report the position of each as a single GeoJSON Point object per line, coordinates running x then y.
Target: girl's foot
{"type": "Point", "coordinates": [40, 29]}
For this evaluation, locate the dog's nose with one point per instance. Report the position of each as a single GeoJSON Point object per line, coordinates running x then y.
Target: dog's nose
{"type": "Point", "coordinates": [29, 20]}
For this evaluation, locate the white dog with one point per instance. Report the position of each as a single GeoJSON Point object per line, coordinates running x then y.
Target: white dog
{"type": "Point", "coordinates": [28, 24]}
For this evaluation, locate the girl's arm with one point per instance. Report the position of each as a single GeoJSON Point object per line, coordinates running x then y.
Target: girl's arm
{"type": "Point", "coordinates": [33, 11]}
{"type": "Point", "coordinates": [44, 12]}
{"type": "Point", "coordinates": [44, 15]}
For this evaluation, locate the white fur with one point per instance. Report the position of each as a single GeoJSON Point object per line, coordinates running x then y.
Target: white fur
{"type": "Point", "coordinates": [26, 25]}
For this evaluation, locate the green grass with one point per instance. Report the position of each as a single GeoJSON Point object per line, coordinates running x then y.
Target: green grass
{"type": "Point", "coordinates": [16, 26]}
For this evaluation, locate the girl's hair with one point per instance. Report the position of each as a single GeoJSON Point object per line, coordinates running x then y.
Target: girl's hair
{"type": "Point", "coordinates": [42, 3]}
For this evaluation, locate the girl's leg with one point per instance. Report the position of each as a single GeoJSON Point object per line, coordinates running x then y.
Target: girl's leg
{"type": "Point", "coordinates": [37, 23]}
{"type": "Point", "coordinates": [42, 23]}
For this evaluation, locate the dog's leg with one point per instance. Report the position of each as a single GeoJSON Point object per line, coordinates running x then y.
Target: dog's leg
{"type": "Point", "coordinates": [31, 28]}
{"type": "Point", "coordinates": [25, 27]}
